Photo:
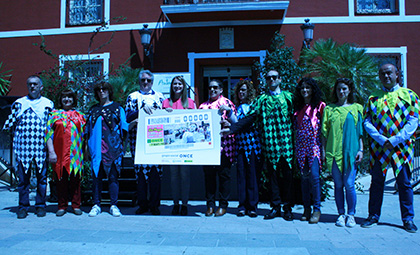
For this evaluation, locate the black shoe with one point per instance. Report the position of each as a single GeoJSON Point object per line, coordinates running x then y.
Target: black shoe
{"type": "Point", "coordinates": [252, 214]}
{"type": "Point", "coordinates": [241, 213]}
{"type": "Point", "coordinates": [409, 226]}
{"type": "Point", "coordinates": [369, 222]}
{"type": "Point", "coordinates": [40, 212]}
{"type": "Point", "coordinates": [184, 210]}
{"type": "Point", "coordinates": [275, 212]}
{"type": "Point", "coordinates": [288, 215]}
{"type": "Point", "coordinates": [175, 210]}
{"type": "Point", "coordinates": [60, 212]}
{"type": "Point", "coordinates": [155, 211]}
{"type": "Point", "coordinates": [306, 214]}
{"type": "Point", "coordinates": [142, 210]}
{"type": "Point", "coordinates": [22, 213]}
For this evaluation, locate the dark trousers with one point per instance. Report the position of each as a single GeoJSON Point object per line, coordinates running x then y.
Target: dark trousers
{"type": "Point", "coordinates": [281, 181]}
{"type": "Point", "coordinates": [247, 181]}
{"type": "Point", "coordinates": [24, 183]}
{"type": "Point", "coordinates": [112, 184]}
{"type": "Point", "coordinates": [69, 187]}
{"type": "Point", "coordinates": [210, 178]}
{"type": "Point", "coordinates": [405, 192]}
{"type": "Point", "coordinates": [152, 185]}
{"type": "Point", "coordinates": [310, 184]}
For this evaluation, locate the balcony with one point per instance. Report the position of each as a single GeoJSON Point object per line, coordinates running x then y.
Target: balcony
{"type": "Point", "coordinates": [224, 12]}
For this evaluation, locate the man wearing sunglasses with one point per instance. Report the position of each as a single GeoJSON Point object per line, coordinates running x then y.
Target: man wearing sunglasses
{"type": "Point", "coordinates": [272, 114]}
{"type": "Point", "coordinates": [148, 176]}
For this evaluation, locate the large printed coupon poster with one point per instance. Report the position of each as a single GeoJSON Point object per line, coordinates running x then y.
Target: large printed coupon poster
{"type": "Point", "coordinates": [180, 137]}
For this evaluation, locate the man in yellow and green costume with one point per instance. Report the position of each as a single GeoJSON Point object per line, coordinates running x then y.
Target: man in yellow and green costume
{"type": "Point", "coordinates": [391, 119]}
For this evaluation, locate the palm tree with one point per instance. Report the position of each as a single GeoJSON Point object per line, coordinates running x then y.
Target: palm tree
{"type": "Point", "coordinates": [328, 60]}
{"type": "Point", "coordinates": [4, 80]}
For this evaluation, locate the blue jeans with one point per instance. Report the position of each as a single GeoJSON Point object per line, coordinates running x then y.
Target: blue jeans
{"type": "Point", "coordinates": [24, 183]}
{"type": "Point", "coordinates": [345, 180]}
{"type": "Point", "coordinates": [405, 192]}
{"type": "Point", "coordinates": [247, 181]}
{"type": "Point", "coordinates": [310, 182]}
{"type": "Point", "coordinates": [112, 184]}
{"type": "Point", "coordinates": [180, 183]}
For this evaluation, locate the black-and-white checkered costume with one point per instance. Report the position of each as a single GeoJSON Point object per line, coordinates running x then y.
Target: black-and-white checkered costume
{"type": "Point", "coordinates": [28, 122]}
{"type": "Point", "coordinates": [135, 102]}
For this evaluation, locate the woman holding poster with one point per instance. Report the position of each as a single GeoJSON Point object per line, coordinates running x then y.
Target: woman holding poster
{"type": "Point", "coordinates": [180, 174]}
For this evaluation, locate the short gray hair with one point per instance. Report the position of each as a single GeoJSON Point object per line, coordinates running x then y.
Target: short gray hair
{"type": "Point", "coordinates": [146, 72]}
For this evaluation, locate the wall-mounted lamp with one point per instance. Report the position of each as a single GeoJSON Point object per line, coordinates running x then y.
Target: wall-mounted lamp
{"type": "Point", "coordinates": [308, 34]}
{"type": "Point", "coordinates": [146, 35]}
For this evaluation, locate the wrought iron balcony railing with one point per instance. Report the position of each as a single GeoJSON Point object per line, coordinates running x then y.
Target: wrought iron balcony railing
{"type": "Point", "coordinates": [175, 2]}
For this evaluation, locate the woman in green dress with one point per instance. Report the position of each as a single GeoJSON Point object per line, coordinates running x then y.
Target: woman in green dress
{"type": "Point", "coordinates": [343, 147]}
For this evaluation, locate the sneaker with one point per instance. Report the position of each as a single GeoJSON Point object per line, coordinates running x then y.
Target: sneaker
{"type": "Point", "coordinates": [40, 212]}
{"type": "Point", "coordinates": [341, 221]}
{"type": "Point", "coordinates": [409, 226]}
{"type": "Point", "coordinates": [351, 222]}
{"type": "Point", "coordinates": [315, 217]}
{"type": "Point", "coordinates": [369, 222]}
{"type": "Point", "coordinates": [22, 213]}
{"type": "Point", "coordinates": [306, 214]}
{"type": "Point", "coordinates": [115, 211]}
{"type": "Point", "coordinates": [95, 211]}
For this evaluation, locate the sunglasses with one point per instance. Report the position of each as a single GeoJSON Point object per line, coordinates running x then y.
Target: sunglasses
{"type": "Point", "coordinates": [146, 80]}
{"type": "Point", "coordinates": [213, 87]}
{"type": "Point", "coordinates": [274, 77]}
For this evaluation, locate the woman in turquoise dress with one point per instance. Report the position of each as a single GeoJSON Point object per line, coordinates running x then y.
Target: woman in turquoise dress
{"type": "Point", "coordinates": [343, 147]}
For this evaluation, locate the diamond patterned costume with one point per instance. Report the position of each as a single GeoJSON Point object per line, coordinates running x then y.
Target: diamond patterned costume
{"type": "Point", "coordinates": [389, 113]}
{"type": "Point", "coordinates": [272, 115]}
{"type": "Point", "coordinates": [135, 102]}
{"type": "Point", "coordinates": [66, 129]}
{"type": "Point", "coordinates": [228, 142]}
{"type": "Point", "coordinates": [248, 141]}
{"type": "Point", "coordinates": [28, 121]}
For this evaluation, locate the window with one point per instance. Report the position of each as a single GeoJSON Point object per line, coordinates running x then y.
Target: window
{"type": "Point", "coordinates": [85, 12]}
{"type": "Point", "coordinates": [375, 6]}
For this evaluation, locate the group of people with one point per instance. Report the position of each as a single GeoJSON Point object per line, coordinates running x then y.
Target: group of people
{"type": "Point", "coordinates": [267, 130]}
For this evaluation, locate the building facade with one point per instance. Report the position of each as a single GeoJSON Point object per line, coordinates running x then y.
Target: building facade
{"type": "Point", "coordinates": [206, 38]}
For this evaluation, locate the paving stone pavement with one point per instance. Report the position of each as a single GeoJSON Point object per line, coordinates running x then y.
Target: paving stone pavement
{"type": "Point", "coordinates": [197, 234]}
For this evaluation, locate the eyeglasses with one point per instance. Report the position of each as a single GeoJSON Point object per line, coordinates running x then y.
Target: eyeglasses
{"type": "Point", "coordinates": [146, 80]}
{"type": "Point", "coordinates": [274, 77]}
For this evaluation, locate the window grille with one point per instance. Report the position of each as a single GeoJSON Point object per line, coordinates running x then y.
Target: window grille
{"type": "Point", "coordinates": [375, 6]}
{"type": "Point", "coordinates": [85, 12]}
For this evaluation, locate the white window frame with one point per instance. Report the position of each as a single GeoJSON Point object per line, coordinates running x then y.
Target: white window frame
{"type": "Point", "coordinates": [63, 13]}
{"type": "Point", "coordinates": [402, 50]}
{"type": "Point", "coordinates": [104, 57]}
{"type": "Point", "coordinates": [401, 8]}
{"type": "Point", "coordinates": [391, 10]}
{"type": "Point", "coordinates": [192, 56]}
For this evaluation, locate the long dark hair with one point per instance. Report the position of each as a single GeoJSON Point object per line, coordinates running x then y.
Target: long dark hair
{"type": "Point", "coordinates": [250, 90]}
{"type": "Point", "coordinates": [184, 96]}
{"type": "Point", "coordinates": [316, 94]}
{"type": "Point", "coordinates": [350, 84]}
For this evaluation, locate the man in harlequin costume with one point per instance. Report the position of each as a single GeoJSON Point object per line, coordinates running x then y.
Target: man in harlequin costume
{"type": "Point", "coordinates": [148, 176]}
{"type": "Point", "coordinates": [272, 114]}
{"type": "Point", "coordinates": [391, 119]}
{"type": "Point", "coordinates": [28, 122]}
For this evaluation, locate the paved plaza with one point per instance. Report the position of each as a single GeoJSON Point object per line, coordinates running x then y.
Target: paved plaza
{"type": "Point", "coordinates": [197, 234]}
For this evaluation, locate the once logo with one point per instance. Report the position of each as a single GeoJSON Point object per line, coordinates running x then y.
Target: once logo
{"type": "Point", "coordinates": [185, 155]}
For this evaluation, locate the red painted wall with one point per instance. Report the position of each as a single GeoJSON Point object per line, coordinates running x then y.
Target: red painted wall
{"type": "Point", "coordinates": [24, 14]}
